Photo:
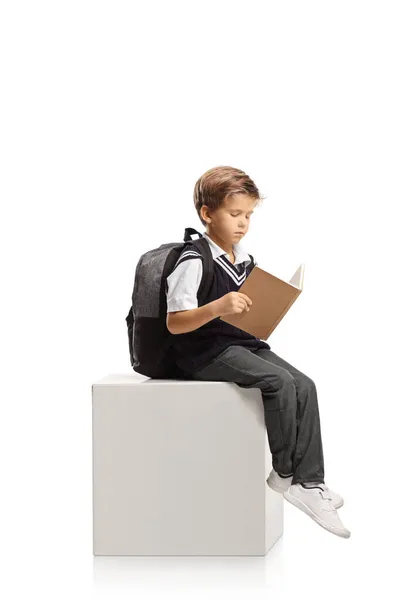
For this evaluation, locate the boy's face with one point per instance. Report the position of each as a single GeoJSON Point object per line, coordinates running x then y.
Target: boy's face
{"type": "Point", "coordinates": [231, 221]}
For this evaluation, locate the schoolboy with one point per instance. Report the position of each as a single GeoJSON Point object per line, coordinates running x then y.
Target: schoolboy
{"type": "Point", "coordinates": [209, 349]}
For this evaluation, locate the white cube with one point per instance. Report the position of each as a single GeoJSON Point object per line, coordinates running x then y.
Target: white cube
{"type": "Point", "coordinates": [179, 468]}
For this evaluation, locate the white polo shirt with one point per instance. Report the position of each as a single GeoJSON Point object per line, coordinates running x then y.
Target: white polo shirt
{"type": "Point", "coordinates": [184, 281]}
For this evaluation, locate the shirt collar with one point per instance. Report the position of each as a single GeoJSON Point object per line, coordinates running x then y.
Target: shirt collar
{"type": "Point", "coordinates": [240, 254]}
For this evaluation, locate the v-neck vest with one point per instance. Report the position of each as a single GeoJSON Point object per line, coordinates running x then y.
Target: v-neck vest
{"type": "Point", "coordinates": [195, 349]}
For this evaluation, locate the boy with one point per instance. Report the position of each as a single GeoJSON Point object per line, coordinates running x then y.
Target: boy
{"type": "Point", "coordinates": [211, 350]}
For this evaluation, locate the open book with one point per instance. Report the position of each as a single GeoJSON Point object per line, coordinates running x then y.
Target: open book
{"type": "Point", "coordinates": [272, 297]}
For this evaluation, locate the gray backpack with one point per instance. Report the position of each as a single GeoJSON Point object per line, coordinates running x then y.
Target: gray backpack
{"type": "Point", "coordinates": [150, 342]}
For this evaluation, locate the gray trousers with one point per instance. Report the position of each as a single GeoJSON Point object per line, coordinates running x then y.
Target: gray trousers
{"type": "Point", "coordinates": [290, 407]}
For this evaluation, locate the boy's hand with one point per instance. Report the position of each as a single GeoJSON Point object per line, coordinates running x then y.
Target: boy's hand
{"type": "Point", "coordinates": [232, 303]}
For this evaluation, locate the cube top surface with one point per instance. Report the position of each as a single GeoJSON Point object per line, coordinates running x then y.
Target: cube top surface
{"type": "Point", "coordinates": [136, 378]}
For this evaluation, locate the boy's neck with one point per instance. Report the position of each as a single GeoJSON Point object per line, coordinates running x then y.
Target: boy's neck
{"type": "Point", "coordinates": [220, 243]}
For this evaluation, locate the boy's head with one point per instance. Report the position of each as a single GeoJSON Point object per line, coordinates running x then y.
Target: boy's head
{"type": "Point", "coordinates": [225, 199]}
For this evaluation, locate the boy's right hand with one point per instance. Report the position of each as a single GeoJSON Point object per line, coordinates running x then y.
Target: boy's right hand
{"type": "Point", "coordinates": [232, 303]}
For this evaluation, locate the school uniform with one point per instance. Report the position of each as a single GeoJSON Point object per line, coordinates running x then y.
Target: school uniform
{"type": "Point", "coordinates": [195, 349]}
{"type": "Point", "coordinates": [218, 351]}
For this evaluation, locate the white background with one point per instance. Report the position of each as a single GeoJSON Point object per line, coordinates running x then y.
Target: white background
{"type": "Point", "coordinates": [110, 111]}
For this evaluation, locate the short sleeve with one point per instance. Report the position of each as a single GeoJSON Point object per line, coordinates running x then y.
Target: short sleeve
{"type": "Point", "coordinates": [182, 285]}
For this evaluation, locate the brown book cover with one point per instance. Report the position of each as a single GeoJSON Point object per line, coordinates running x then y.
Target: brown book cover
{"type": "Point", "coordinates": [272, 297]}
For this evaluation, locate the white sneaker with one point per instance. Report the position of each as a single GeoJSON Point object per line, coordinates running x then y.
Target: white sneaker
{"type": "Point", "coordinates": [317, 503]}
{"type": "Point", "coordinates": [281, 484]}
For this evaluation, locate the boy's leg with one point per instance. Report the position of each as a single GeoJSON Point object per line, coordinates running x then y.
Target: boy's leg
{"type": "Point", "coordinates": [240, 365]}
{"type": "Point", "coordinates": [308, 458]}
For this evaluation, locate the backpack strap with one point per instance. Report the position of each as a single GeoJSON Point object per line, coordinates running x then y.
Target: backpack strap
{"type": "Point", "coordinates": [208, 263]}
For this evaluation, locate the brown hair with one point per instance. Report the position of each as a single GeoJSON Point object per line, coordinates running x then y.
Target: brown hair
{"type": "Point", "coordinates": [218, 183]}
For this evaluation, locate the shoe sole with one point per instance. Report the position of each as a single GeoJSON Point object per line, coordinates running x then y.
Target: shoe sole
{"type": "Point", "coordinates": [306, 509]}
{"type": "Point", "coordinates": [281, 491]}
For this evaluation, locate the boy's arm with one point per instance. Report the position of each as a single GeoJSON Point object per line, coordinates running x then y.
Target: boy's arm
{"type": "Point", "coordinates": [183, 312]}
{"type": "Point", "coordinates": [188, 320]}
